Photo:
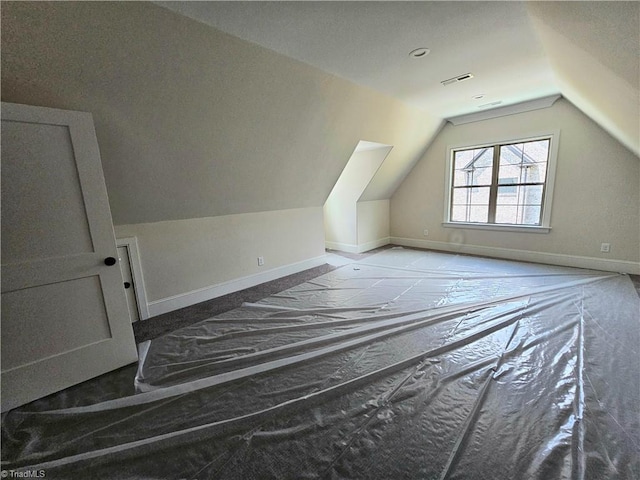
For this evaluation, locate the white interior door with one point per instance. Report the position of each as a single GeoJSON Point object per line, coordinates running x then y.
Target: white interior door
{"type": "Point", "coordinates": [64, 312]}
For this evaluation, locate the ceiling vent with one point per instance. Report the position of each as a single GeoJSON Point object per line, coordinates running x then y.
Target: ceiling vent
{"type": "Point", "coordinates": [459, 78]}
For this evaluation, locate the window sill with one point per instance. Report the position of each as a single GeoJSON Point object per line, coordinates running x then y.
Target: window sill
{"type": "Point", "coordinates": [498, 228]}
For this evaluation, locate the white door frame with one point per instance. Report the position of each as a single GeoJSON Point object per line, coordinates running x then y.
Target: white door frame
{"type": "Point", "coordinates": [136, 273]}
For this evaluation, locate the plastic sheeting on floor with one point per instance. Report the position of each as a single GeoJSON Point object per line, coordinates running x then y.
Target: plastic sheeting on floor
{"type": "Point", "coordinates": [406, 365]}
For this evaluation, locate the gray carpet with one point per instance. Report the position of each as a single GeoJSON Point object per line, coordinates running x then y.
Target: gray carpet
{"type": "Point", "coordinates": [168, 322]}
{"type": "Point", "coordinates": [161, 324]}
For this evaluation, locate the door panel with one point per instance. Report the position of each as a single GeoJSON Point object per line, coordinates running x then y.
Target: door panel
{"type": "Point", "coordinates": [64, 312]}
{"type": "Point", "coordinates": [59, 206]}
{"type": "Point", "coordinates": [51, 310]}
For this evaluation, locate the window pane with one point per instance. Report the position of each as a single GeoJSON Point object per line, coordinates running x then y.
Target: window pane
{"type": "Point", "coordinates": [531, 195]}
{"type": "Point", "coordinates": [536, 172]}
{"type": "Point", "coordinates": [473, 167]}
{"type": "Point", "coordinates": [520, 195]}
{"type": "Point", "coordinates": [470, 204]}
{"type": "Point", "coordinates": [518, 214]}
{"type": "Point", "coordinates": [460, 178]}
{"type": "Point", "coordinates": [531, 215]}
{"type": "Point", "coordinates": [480, 195]}
{"type": "Point", "coordinates": [507, 214]}
{"type": "Point", "coordinates": [462, 158]}
{"type": "Point", "coordinates": [482, 176]}
{"type": "Point", "coordinates": [479, 213]}
{"type": "Point", "coordinates": [461, 196]}
{"type": "Point", "coordinates": [509, 174]}
{"type": "Point", "coordinates": [472, 176]}
{"type": "Point", "coordinates": [526, 161]}
{"type": "Point", "coordinates": [521, 207]}
{"type": "Point", "coordinates": [508, 190]}
{"type": "Point", "coordinates": [537, 151]}
{"type": "Point", "coordinates": [470, 213]}
{"type": "Point", "coordinates": [459, 213]}
{"type": "Point", "coordinates": [511, 154]}
{"type": "Point", "coordinates": [483, 157]}
{"type": "Point", "coordinates": [469, 196]}
{"type": "Point", "coordinates": [508, 195]}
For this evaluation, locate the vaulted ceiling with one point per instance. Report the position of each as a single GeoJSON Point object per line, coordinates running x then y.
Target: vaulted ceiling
{"type": "Point", "coordinates": [587, 51]}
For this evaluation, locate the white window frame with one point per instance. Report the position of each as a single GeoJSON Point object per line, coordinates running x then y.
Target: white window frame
{"type": "Point", "coordinates": [545, 224]}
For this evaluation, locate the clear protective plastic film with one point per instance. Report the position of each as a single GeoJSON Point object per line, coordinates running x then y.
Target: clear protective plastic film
{"type": "Point", "coordinates": [407, 364]}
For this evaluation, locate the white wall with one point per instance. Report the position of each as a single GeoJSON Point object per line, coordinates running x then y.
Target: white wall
{"type": "Point", "coordinates": [193, 122]}
{"type": "Point", "coordinates": [187, 261]}
{"type": "Point", "coordinates": [373, 224]}
{"type": "Point", "coordinates": [200, 131]}
{"type": "Point", "coordinates": [593, 50]}
{"type": "Point", "coordinates": [340, 211]}
{"type": "Point", "coordinates": [596, 196]}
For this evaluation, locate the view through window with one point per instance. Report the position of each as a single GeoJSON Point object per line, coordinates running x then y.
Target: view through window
{"type": "Point", "coordinates": [500, 184]}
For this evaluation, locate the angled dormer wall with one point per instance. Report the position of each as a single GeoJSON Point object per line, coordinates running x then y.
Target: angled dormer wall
{"type": "Point", "coordinates": [592, 48]}
{"type": "Point", "coordinates": [215, 150]}
{"type": "Point", "coordinates": [342, 222]}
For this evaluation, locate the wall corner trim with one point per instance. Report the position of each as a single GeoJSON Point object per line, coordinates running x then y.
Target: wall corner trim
{"type": "Point", "coordinates": [169, 304]}
{"type": "Point", "coordinates": [360, 248]}
{"type": "Point", "coordinates": [380, 242]}
{"type": "Point", "coordinates": [341, 247]}
{"type": "Point", "coordinates": [594, 263]}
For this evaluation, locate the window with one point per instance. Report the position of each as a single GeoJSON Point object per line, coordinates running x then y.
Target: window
{"type": "Point", "coordinates": [503, 185]}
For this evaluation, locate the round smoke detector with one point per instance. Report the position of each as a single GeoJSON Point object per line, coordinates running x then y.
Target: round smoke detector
{"type": "Point", "coordinates": [419, 52]}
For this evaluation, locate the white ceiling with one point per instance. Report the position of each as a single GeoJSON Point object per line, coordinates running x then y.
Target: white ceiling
{"type": "Point", "coordinates": [509, 47]}
{"type": "Point", "coordinates": [369, 44]}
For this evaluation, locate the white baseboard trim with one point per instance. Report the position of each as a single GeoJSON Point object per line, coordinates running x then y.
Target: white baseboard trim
{"type": "Point", "coordinates": [381, 242]}
{"type": "Point", "coordinates": [169, 304]}
{"type": "Point", "coordinates": [341, 247]}
{"type": "Point", "coordinates": [525, 255]}
{"type": "Point", "coordinates": [361, 248]}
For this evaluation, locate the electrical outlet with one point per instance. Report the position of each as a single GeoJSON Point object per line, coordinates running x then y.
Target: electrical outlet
{"type": "Point", "coordinates": [426, 232]}
{"type": "Point", "coordinates": [605, 247]}
{"type": "Point", "coordinates": [260, 261]}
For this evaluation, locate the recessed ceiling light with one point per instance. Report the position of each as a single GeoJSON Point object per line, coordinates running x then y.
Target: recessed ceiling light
{"type": "Point", "coordinates": [419, 52]}
{"type": "Point", "coordinates": [478, 97]}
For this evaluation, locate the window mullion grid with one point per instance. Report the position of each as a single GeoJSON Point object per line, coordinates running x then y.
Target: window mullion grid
{"type": "Point", "coordinates": [523, 204]}
{"type": "Point", "coordinates": [493, 191]}
{"type": "Point", "coordinates": [494, 187]}
{"type": "Point", "coordinates": [524, 172]}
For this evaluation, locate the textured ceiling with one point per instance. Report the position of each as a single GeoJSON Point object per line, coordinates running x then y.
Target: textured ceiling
{"type": "Point", "coordinates": [510, 47]}
{"type": "Point", "coordinates": [369, 44]}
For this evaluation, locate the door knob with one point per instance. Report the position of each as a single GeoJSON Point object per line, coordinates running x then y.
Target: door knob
{"type": "Point", "coordinates": [127, 285]}
{"type": "Point", "coordinates": [109, 261]}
